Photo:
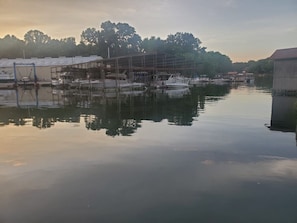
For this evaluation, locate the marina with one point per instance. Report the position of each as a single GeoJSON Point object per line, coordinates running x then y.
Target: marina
{"type": "Point", "coordinates": [148, 111]}
{"type": "Point", "coordinates": [94, 72]}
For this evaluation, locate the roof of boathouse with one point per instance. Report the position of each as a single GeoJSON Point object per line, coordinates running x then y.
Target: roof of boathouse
{"type": "Point", "coordinates": [50, 61]}
{"type": "Point", "coordinates": [282, 54]}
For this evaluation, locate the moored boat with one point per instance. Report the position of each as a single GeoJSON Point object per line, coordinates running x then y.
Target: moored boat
{"type": "Point", "coordinates": [86, 83]}
{"type": "Point", "coordinates": [64, 80]}
{"type": "Point", "coordinates": [199, 80]}
{"type": "Point", "coordinates": [170, 81]}
{"type": "Point", "coordinates": [120, 81]}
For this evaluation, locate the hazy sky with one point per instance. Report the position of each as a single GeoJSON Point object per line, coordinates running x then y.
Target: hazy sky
{"type": "Point", "coordinates": [242, 29]}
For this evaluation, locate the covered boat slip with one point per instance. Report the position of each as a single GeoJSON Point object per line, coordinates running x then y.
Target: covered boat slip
{"type": "Point", "coordinates": [38, 71]}
{"type": "Point", "coordinates": [91, 71]}
{"type": "Point", "coordinates": [12, 79]}
{"type": "Point", "coordinates": [132, 70]}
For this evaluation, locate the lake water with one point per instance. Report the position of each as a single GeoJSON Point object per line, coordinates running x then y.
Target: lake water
{"type": "Point", "coordinates": [210, 154]}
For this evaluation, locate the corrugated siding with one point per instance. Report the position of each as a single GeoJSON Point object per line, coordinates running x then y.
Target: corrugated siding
{"type": "Point", "coordinates": [285, 75]}
{"type": "Point", "coordinates": [48, 61]}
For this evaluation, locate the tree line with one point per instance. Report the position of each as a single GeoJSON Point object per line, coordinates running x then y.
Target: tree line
{"type": "Point", "coordinates": [117, 39]}
{"type": "Point", "coordinates": [263, 66]}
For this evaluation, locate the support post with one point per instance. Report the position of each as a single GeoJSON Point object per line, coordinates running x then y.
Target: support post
{"type": "Point", "coordinates": [34, 70]}
{"type": "Point", "coordinates": [14, 72]}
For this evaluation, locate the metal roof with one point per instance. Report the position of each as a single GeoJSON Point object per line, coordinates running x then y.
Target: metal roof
{"type": "Point", "coordinates": [282, 54]}
{"type": "Point", "coordinates": [49, 61]}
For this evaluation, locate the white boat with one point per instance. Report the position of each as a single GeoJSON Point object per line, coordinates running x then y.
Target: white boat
{"type": "Point", "coordinates": [25, 79]}
{"type": "Point", "coordinates": [170, 81]}
{"type": "Point", "coordinates": [220, 81]}
{"type": "Point", "coordinates": [86, 83]}
{"type": "Point", "coordinates": [120, 81]}
{"type": "Point", "coordinates": [244, 78]}
{"type": "Point", "coordinates": [203, 79]}
{"type": "Point", "coordinates": [111, 81]}
{"type": "Point", "coordinates": [64, 80]}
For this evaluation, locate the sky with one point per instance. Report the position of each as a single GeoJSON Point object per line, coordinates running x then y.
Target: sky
{"type": "Point", "coordinates": [241, 29]}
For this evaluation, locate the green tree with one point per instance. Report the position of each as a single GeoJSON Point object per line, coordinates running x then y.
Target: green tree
{"type": "Point", "coordinates": [153, 44]}
{"type": "Point", "coordinates": [90, 36]}
{"type": "Point", "coordinates": [11, 47]}
{"type": "Point", "coordinates": [108, 39]}
{"type": "Point", "coordinates": [128, 40]}
{"type": "Point", "coordinates": [53, 48]}
{"type": "Point", "coordinates": [36, 37]}
{"type": "Point", "coordinates": [36, 43]}
{"type": "Point", "coordinates": [182, 43]}
{"type": "Point", "coordinates": [68, 46]}
{"type": "Point", "coordinates": [264, 66]}
{"type": "Point", "coordinates": [215, 63]}
{"type": "Point", "coordinates": [240, 66]}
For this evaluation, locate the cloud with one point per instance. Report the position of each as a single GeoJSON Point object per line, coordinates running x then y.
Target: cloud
{"type": "Point", "coordinates": [16, 163]}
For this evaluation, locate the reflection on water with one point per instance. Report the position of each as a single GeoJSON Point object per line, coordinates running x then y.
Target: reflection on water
{"type": "Point", "coordinates": [284, 113]}
{"type": "Point", "coordinates": [120, 113]}
{"type": "Point", "coordinates": [203, 155]}
{"type": "Point", "coordinates": [284, 108]}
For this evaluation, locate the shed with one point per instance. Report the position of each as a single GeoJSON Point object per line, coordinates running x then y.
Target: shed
{"type": "Point", "coordinates": [285, 70]}
{"type": "Point", "coordinates": [44, 65]}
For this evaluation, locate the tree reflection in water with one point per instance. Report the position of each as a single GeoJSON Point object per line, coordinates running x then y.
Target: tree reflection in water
{"type": "Point", "coordinates": [118, 114]}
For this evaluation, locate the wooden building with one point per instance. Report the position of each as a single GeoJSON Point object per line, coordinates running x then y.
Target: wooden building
{"type": "Point", "coordinates": [285, 71]}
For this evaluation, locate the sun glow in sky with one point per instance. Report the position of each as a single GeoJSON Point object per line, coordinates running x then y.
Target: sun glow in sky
{"type": "Point", "coordinates": [242, 30]}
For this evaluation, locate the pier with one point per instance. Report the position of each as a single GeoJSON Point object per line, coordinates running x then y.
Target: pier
{"type": "Point", "coordinates": [138, 64]}
{"type": "Point", "coordinates": [41, 71]}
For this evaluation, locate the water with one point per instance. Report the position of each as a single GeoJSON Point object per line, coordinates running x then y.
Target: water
{"type": "Point", "coordinates": [211, 154]}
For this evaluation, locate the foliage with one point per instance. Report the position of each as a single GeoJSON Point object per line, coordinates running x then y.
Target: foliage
{"type": "Point", "coordinates": [90, 36]}
{"type": "Point", "coordinates": [264, 66]}
{"type": "Point", "coordinates": [215, 63]}
{"type": "Point", "coordinates": [153, 44]}
{"type": "Point", "coordinates": [239, 66]}
{"type": "Point", "coordinates": [113, 39]}
{"type": "Point", "coordinates": [36, 37]}
{"type": "Point", "coordinates": [11, 47]}
{"type": "Point", "coordinates": [182, 43]}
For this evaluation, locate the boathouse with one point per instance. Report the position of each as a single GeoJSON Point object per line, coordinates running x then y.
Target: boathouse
{"type": "Point", "coordinates": [285, 71]}
{"type": "Point", "coordinates": [44, 66]}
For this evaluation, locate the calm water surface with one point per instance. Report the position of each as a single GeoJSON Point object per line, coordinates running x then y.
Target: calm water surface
{"type": "Point", "coordinates": [211, 154]}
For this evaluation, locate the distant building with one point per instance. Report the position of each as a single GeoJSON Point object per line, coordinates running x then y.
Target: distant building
{"type": "Point", "coordinates": [285, 71]}
{"type": "Point", "coordinates": [45, 65]}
